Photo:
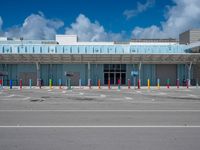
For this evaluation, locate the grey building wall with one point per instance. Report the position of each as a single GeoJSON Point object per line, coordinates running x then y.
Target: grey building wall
{"type": "Point", "coordinates": [194, 35]}
{"type": "Point", "coordinates": [189, 36]}
{"type": "Point", "coordinates": [184, 38]}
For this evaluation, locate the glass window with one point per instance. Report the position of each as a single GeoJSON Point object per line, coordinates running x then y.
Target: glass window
{"type": "Point", "coordinates": [112, 68]}
{"type": "Point", "coordinates": [118, 68]}
{"type": "Point", "coordinates": [106, 68]}
{"type": "Point", "coordinates": [123, 68]}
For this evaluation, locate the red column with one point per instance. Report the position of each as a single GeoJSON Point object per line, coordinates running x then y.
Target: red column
{"type": "Point", "coordinates": [109, 84]}
{"type": "Point", "coordinates": [20, 83]}
{"type": "Point", "coordinates": [177, 83]}
{"type": "Point", "coordinates": [187, 83]}
{"type": "Point", "coordinates": [129, 84]}
{"type": "Point", "coordinates": [138, 83]}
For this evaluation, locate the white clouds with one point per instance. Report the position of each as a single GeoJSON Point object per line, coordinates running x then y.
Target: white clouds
{"type": "Point", "coordinates": [140, 8]}
{"type": "Point", "coordinates": [91, 31]}
{"type": "Point", "coordinates": [35, 26]}
{"type": "Point", "coordinates": [185, 14]}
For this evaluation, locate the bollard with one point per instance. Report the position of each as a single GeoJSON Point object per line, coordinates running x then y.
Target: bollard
{"type": "Point", "coordinates": [119, 84]}
{"type": "Point", "coordinates": [69, 84]}
{"type": "Point", "coordinates": [148, 83]}
{"type": "Point", "coordinates": [20, 84]}
{"type": "Point", "coordinates": [1, 83]}
{"type": "Point", "coordinates": [50, 83]}
{"type": "Point", "coordinates": [168, 82]}
{"type": "Point", "coordinates": [10, 84]}
{"type": "Point", "coordinates": [99, 83]}
{"type": "Point", "coordinates": [197, 84]}
{"type": "Point", "coordinates": [158, 83]}
{"type": "Point", "coordinates": [89, 83]}
{"type": "Point", "coordinates": [129, 83]}
{"type": "Point", "coordinates": [177, 83]}
{"type": "Point", "coordinates": [109, 84]}
{"type": "Point", "coordinates": [187, 83]}
{"type": "Point", "coordinates": [30, 83]}
{"type": "Point", "coordinates": [138, 83]}
{"type": "Point", "coordinates": [80, 83]}
{"type": "Point", "coordinates": [60, 83]}
{"type": "Point", "coordinates": [40, 83]}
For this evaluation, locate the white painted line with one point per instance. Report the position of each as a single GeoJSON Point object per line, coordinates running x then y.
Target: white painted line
{"type": "Point", "coordinates": [12, 95]}
{"type": "Point", "coordinates": [93, 110]}
{"type": "Point", "coordinates": [170, 126]}
{"type": "Point", "coordinates": [81, 93]}
{"type": "Point", "coordinates": [102, 95]}
{"type": "Point", "coordinates": [159, 93]}
{"type": "Point", "coordinates": [191, 95]}
{"type": "Point", "coordinates": [26, 98]}
{"type": "Point", "coordinates": [128, 98]}
{"type": "Point", "coordinates": [116, 101]}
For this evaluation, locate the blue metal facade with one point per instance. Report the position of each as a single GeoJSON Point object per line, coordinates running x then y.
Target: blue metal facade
{"type": "Point", "coordinates": [56, 71]}
{"type": "Point", "coordinates": [91, 49]}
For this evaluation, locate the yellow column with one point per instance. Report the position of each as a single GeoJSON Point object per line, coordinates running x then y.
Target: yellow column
{"type": "Point", "coordinates": [148, 83]}
{"type": "Point", "coordinates": [158, 83]}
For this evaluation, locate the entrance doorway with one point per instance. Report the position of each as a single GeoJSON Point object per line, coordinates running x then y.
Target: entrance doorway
{"type": "Point", "coordinates": [114, 72]}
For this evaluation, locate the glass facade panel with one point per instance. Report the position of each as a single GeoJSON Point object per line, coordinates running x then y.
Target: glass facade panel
{"type": "Point", "coordinates": [114, 72]}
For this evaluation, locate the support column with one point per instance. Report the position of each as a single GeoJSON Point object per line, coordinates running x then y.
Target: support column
{"type": "Point", "coordinates": [189, 73]}
{"type": "Point", "coordinates": [38, 73]}
{"type": "Point", "coordinates": [89, 74]}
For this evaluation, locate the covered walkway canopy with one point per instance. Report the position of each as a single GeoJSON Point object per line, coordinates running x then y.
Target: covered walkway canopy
{"type": "Point", "coordinates": [102, 58]}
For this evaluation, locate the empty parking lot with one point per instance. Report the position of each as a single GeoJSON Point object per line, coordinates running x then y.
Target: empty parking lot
{"type": "Point", "coordinates": [84, 118]}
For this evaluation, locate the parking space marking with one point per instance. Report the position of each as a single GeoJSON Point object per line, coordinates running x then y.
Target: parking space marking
{"type": "Point", "coordinates": [26, 98]}
{"type": "Point", "coordinates": [128, 98]}
{"type": "Point", "coordinates": [12, 95]}
{"type": "Point", "coordinates": [81, 93]}
{"type": "Point", "coordinates": [113, 126]}
{"type": "Point", "coordinates": [102, 95]}
{"type": "Point", "coordinates": [193, 96]}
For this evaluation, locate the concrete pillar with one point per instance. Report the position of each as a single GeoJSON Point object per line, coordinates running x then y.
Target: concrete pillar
{"type": "Point", "coordinates": [189, 73]}
{"type": "Point", "coordinates": [89, 74]}
{"type": "Point", "coordinates": [38, 73]}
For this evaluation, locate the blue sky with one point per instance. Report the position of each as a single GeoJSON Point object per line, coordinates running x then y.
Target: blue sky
{"type": "Point", "coordinates": [98, 20]}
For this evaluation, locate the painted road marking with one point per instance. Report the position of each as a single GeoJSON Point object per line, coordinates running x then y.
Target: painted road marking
{"type": "Point", "coordinates": [191, 95]}
{"type": "Point", "coordinates": [102, 95]}
{"type": "Point", "coordinates": [128, 98]}
{"type": "Point", "coordinates": [12, 95]}
{"type": "Point", "coordinates": [98, 110]}
{"type": "Point", "coordinates": [170, 126]}
{"type": "Point", "coordinates": [26, 98]}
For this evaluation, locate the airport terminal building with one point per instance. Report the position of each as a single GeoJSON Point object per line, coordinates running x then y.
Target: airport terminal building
{"type": "Point", "coordinates": [105, 61]}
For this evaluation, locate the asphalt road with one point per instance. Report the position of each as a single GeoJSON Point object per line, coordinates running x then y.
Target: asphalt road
{"type": "Point", "coordinates": [167, 119]}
